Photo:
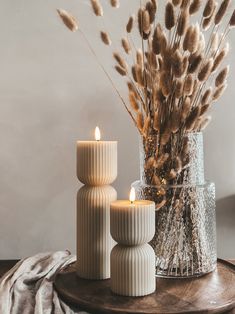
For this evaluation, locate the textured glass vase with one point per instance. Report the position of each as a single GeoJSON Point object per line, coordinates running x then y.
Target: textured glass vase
{"type": "Point", "coordinates": [185, 237]}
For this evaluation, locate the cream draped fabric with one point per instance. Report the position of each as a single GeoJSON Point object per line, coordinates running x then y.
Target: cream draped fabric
{"type": "Point", "coordinates": [28, 287]}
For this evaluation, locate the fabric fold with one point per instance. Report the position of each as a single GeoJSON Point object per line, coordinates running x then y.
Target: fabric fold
{"type": "Point", "coordinates": [28, 288]}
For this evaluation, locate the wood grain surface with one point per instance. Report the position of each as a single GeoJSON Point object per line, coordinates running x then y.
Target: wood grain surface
{"type": "Point", "coordinates": [6, 265]}
{"type": "Point", "coordinates": [213, 293]}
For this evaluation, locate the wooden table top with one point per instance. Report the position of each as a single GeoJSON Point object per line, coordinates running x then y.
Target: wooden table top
{"type": "Point", "coordinates": [6, 265]}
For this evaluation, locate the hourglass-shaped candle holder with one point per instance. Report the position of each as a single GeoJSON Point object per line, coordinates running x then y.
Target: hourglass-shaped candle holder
{"type": "Point", "coordinates": [132, 259]}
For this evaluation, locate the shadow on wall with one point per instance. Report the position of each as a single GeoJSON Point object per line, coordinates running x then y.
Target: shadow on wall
{"type": "Point", "coordinates": [225, 214]}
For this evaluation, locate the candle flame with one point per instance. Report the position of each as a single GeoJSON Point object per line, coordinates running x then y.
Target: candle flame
{"type": "Point", "coordinates": [132, 195]}
{"type": "Point", "coordinates": [97, 134]}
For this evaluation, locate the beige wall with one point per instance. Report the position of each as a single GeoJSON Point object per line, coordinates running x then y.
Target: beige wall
{"type": "Point", "coordinates": [51, 94]}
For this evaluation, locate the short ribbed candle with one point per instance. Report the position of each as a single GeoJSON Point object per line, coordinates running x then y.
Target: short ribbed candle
{"type": "Point", "coordinates": [133, 270]}
{"type": "Point", "coordinates": [133, 260]}
{"type": "Point", "coordinates": [94, 242]}
{"type": "Point", "coordinates": [96, 162]}
{"type": "Point", "coordinates": [132, 224]}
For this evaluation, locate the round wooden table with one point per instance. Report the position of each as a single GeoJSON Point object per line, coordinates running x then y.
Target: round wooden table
{"type": "Point", "coordinates": [212, 293]}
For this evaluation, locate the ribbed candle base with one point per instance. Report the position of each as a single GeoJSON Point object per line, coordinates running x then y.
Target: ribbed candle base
{"type": "Point", "coordinates": [94, 242]}
{"type": "Point", "coordinates": [133, 270]}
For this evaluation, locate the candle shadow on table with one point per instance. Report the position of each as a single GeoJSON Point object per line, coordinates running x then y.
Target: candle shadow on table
{"type": "Point", "coordinates": [225, 214]}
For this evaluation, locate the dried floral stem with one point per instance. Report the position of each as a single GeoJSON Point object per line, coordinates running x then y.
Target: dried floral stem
{"type": "Point", "coordinates": [106, 73]}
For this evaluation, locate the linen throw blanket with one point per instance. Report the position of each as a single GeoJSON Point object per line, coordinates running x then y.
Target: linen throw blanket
{"type": "Point", "coordinates": [28, 287]}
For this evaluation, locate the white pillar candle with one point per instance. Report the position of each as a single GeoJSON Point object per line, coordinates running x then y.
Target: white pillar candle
{"type": "Point", "coordinates": [96, 168]}
{"type": "Point", "coordinates": [97, 161]}
{"type": "Point", "coordinates": [133, 260]}
{"type": "Point", "coordinates": [94, 242]}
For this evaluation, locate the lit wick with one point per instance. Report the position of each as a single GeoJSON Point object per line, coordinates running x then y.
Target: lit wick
{"type": "Point", "coordinates": [132, 195]}
{"type": "Point", "coordinates": [97, 134]}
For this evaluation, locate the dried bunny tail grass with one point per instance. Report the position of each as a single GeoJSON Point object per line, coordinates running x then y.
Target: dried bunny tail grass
{"type": "Point", "coordinates": [214, 43]}
{"type": "Point", "coordinates": [179, 88]}
{"type": "Point", "coordinates": [207, 94]}
{"type": "Point", "coordinates": [140, 121]}
{"type": "Point", "coordinates": [183, 23]}
{"type": "Point", "coordinates": [177, 61]}
{"type": "Point", "coordinates": [188, 85]}
{"type": "Point", "coordinates": [132, 89]}
{"type": "Point", "coordinates": [130, 24]}
{"type": "Point", "coordinates": [195, 6]}
{"type": "Point", "coordinates": [196, 85]}
{"type": "Point", "coordinates": [220, 57]}
{"type": "Point", "coordinates": [139, 75]}
{"type": "Point", "coordinates": [205, 122]}
{"type": "Point", "coordinates": [126, 46]}
{"type": "Point", "coordinates": [146, 126]}
{"type": "Point", "coordinates": [219, 92]}
{"type": "Point", "coordinates": [139, 58]}
{"type": "Point", "coordinates": [178, 164]}
{"type": "Point", "coordinates": [120, 60]}
{"type": "Point", "coordinates": [146, 21]}
{"type": "Point", "coordinates": [209, 8]}
{"type": "Point", "coordinates": [133, 101]}
{"type": "Point", "coordinates": [186, 42]}
{"type": "Point", "coordinates": [121, 70]}
{"type": "Point", "coordinates": [97, 8]}
{"type": "Point", "coordinates": [155, 6]}
{"type": "Point", "coordinates": [192, 118]}
{"type": "Point", "coordinates": [185, 64]}
{"type": "Point", "coordinates": [175, 121]}
{"type": "Point", "coordinates": [207, 21]}
{"type": "Point", "coordinates": [68, 20]}
{"type": "Point", "coordinates": [176, 2]}
{"type": "Point", "coordinates": [195, 62]}
{"type": "Point", "coordinates": [105, 38]}
{"type": "Point", "coordinates": [201, 44]}
{"type": "Point", "coordinates": [232, 20]}
{"type": "Point", "coordinates": [186, 107]}
{"type": "Point", "coordinates": [193, 40]}
{"type": "Point", "coordinates": [204, 109]}
{"type": "Point", "coordinates": [221, 11]}
{"type": "Point", "coordinates": [222, 76]}
{"type": "Point", "coordinates": [185, 4]}
{"type": "Point", "coordinates": [133, 71]}
{"type": "Point", "coordinates": [165, 137]}
{"type": "Point", "coordinates": [156, 122]}
{"type": "Point", "coordinates": [115, 3]}
{"type": "Point", "coordinates": [156, 180]}
{"type": "Point", "coordinates": [205, 71]}
{"type": "Point", "coordinates": [149, 163]}
{"type": "Point", "coordinates": [151, 10]}
{"type": "Point", "coordinates": [169, 16]}
{"type": "Point", "coordinates": [140, 21]}
{"type": "Point", "coordinates": [157, 38]}
{"type": "Point", "coordinates": [165, 84]}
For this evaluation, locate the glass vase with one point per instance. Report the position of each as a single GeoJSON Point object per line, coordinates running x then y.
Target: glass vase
{"type": "Point", "coordinates": [185, 237]}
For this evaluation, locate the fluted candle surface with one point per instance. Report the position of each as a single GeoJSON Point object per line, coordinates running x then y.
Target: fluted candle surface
{"type": "Point", "coordinates": [94, 242]}
{"type": "Point", "coordinates": [132, 259]}
{"type": "Point", "coordinates": [96, 168]}
{"type": "Point", "coordinates": [132, 223]}
{"type": "Point", "coordinates": [96, 162]}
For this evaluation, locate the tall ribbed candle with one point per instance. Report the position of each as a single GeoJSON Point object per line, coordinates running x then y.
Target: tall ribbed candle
{"type": "Point", "coordinates": [132, 259]}
{"type": "Point", "coordinates": [96, 168]}
{"type": "Point", "coordinates": [94, 243]}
